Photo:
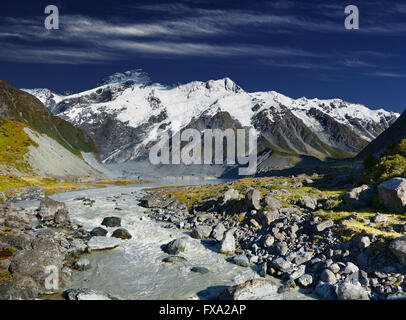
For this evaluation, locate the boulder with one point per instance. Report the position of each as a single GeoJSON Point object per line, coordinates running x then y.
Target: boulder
{"type": "Point", "coordinates": [176, 246]}
{"type": "Point", "coordinates": [103, 243]}
{"type": "Point", "coordinates": [392, 195]}
{"type": "Point", "coordinates": [111, 222]}
{"type": "Point", "coordinates": [122, 234]}
{"type": "Point", "coordinates": [363, 242]}
{"type": "Point", "coordinates": [16, 220]}
{"type": "Point", "coordinates": [53, 212]}
{"type": "Point", "coordinates": [227, 245]}
{"type": "Point", "coordinates": [266, 218]}
{"type": "Point", "coordinates": [19, 241]}
{"type": "Point", "coordinates": [321, 226]}
{"type": "Point", "coordinates": [326, 291]}
{"type": "Point", "coordinates": [98, 232]}
{"type": "Point", "coordinates": [229, 195]}
{"type": "Point", "coordinates": [349, 291]}
{"type": "Point", "coordinates": [23, 288]}
{"type": "Point", "coordinates": [271, 203]}
{"type": "Point", "coordinates": [253, 200]}
{"type": "Point", "coordinates": [380, 218]}
{"type": "Point", "coordinates": [300, 271]}
{"type": "Point", "coordinates": [359, 197]}
{"type": "Point", "coordinates": [328, 276]}
{"type": "Point", "coordinates": [307, 203]}
{"type": "Point", "coordinates": [33, 261]}
{"type": "Point", "coordinates": [305, 280]}
{"type": "Point", "coordinates": [398, 248]}
{"type": "Point", "coordinates": [255, 289]}
{"type": "Point", "coordinates": [218, 232]}
{"type": "Point", "coordinates": [268, 241]}
{"type": "Point", "coordinates": [241, 260]}
{"type": "Point", "coordinates": [201, 232]}
{"type": "Point", "coordinates": [350, 268]}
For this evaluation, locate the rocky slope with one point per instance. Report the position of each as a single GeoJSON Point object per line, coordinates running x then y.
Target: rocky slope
{"type": "Point", "coordinates": [393, 135]}
{"type": "Point", "coordinates": [126, 112]}
{"type": "Point", "coordinates": [34, 141]}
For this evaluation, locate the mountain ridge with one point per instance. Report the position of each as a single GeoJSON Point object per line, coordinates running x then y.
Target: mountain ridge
{"type": "Point", "coordinates": [127, 112]}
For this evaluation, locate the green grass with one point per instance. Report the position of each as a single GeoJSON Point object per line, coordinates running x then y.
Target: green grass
{"type": "Point", "coordinates": [14, 144]}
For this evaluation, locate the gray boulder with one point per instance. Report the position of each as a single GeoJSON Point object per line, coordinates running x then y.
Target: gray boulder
{"type": "Point", "coordinates": [307, 203]}
{"type": "Point", "coordinates": [349, 291]}
{"type": "Point", "coordinates": [111, 222]}
{"type": "Point", "coordinates": [23, 288]}
{"type": "Point", "coordinates": [328, 276]}
{"type": "Point", "coordinates": [53, 212]}
{"type": "Point", "coordinates": [266, 218]}
{"type": "Point", "coordinates": [122, 234]}
{"type": "Point", "coordinates": [326, 291]}
{"type": "Point", "coordinates": [201, 232]}
{"type": "Point", "coordinates": [324, 225]}
{"type": "Point", "coordinates": [271, 203]}
{"type": "Point", "coordinates": [227, 245]}
{"type": "Point", "coordinates": [229, 195]}
{"type": "Point", "coordinates": [398, 248]}
{"type": "Point", "coordinates": [176, 246]}
{"type": "Point", "coordinates": [98, 232]}
{"type": "Point", "coordinates": [218, 232]}
{"type": "Point", "coordinates": [392, 195]}
{"type": "Point", "coordinates": [253, 200]}
{"type": "Point", "coordinates": [359, 197]}
{"type": "Point", "coordinates": [241, 260]}
{"type": "Point", "coordinates": [305, 280]}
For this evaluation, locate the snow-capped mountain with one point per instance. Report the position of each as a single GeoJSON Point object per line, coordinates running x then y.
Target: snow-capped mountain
{"type": "Point", "coordinates": [126, 111]}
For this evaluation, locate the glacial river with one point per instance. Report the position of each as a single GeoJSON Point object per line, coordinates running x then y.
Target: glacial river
{"type": "Point", "coordinates": [135, 269]}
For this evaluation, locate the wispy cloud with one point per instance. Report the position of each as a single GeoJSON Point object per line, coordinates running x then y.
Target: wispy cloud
{"type": "Point", "coordinates": [386, 74]}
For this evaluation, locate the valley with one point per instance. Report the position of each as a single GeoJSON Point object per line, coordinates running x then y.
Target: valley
{"type": "Point", "coordinates": [321, 217]}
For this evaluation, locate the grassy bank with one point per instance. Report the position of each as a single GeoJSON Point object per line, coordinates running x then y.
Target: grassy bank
{"type": "Point", "coordinates": [352, 222]}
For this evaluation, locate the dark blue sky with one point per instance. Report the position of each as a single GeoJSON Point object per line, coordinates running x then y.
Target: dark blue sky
{"type": "Point", "coordinates": [299, 48]}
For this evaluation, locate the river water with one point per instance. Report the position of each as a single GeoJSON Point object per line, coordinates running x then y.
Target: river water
{"type": "Point", "coordinates": [135, 269]}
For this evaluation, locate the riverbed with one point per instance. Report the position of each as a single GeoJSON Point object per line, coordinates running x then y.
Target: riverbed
{"type": "Point", "coordinates": [135, 269]}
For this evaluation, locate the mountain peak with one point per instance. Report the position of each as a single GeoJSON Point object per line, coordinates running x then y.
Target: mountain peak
{"type": "Point", "coordinates": [226, 83]}
{"type": "Point", "coordinates": [138, 76]}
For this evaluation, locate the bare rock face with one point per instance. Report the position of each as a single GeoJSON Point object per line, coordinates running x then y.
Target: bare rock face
{"type": "Point", "coordinates": [359, 197]}
{"type": "Point", "coordinates": [255, 289]}
{"type": "Point", "coordinates": [392, 195]}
